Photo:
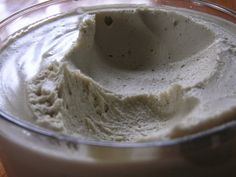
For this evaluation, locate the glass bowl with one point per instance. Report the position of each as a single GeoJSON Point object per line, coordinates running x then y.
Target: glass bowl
{"type": "Point", "coordinates": [29, 151]}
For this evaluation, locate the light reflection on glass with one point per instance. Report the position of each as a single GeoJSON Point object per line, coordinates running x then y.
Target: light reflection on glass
{"type": "Point", "coordinates": [51, 10]}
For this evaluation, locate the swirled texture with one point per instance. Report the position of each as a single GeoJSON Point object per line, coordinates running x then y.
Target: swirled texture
{"type": "Point", "coordinates": [135, 75]}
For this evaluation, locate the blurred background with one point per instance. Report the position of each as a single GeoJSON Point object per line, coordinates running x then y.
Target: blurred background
{"type": "Point", "coordinates": [8, 7]}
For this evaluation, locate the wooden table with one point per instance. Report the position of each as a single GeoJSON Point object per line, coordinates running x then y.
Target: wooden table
{"type": "Point", "coordinates": [227, 3]}
{"type": "Point", "coordinates": [8, 7]}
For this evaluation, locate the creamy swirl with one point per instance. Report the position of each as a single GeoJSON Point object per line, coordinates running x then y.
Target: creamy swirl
{"type": "Point", "coordinates": [124, 75]}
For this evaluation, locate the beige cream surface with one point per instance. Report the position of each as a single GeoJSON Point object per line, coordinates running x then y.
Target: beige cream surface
{"type": "Point", "coordinates": [136, 75]}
